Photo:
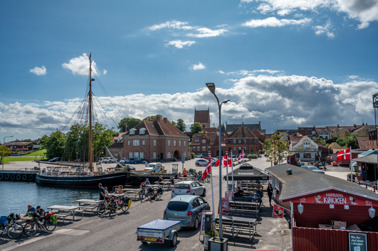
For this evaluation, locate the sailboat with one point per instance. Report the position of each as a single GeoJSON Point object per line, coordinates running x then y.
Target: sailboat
{"type": "Point", "coordinates": [80, 178]}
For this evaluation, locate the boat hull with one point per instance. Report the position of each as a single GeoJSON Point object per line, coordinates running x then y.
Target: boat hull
{"type": "Point", "coordinates": [109, 180]}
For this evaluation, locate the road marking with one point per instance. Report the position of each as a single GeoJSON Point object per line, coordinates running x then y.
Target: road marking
{"type": "Point", "coordinates": [65, 231]}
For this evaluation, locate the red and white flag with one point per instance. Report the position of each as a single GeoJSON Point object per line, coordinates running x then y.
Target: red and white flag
{"type": "Point", "coordinates": [241, 156]}
{"type": "Point", "coordinates": [225, 161]}
{"type": "Point", "coordinates": [207, 170]}
{"type": "Point", "coordinates": [344, 154]}
{"type": "Point", "coordinates": [230, 160]}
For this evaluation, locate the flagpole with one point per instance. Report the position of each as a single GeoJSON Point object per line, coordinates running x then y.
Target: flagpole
{"type": "Point", "coordinates": [212, 190]}
{"type": "Point", "coordinates": [232, 170]}
{"type": "Point", "coordinates": [227, 169]}
{"type": "Point", "coordinates": [351, 166]}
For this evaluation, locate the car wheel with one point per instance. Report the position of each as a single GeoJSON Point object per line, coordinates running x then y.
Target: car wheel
{"type": "Point", "coordinates": [204, 193]}
{"type": "Point", "coordinates": [174, 240]}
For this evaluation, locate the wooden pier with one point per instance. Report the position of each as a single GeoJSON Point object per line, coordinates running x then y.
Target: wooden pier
{"type": "Point", "coordinates": [18, 175]}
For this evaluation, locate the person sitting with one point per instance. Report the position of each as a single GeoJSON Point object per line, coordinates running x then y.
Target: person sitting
{"type": "Point", "coordinates": [239, 192]}
{"type": "Point", "coordinates": [40, 213]}
{"type": "Point", "coordinates": [255, 198]}
{"type": "Point", "coordinates": [185, 172]}
{"type": "Point", "coordinates": [147, 182]}
{"type": "Point", "coordinates": [106, 192]}
{"type": "Point", "coordinates": [30, 211]}
{"type": "Point", "coordinates": [120, 189]}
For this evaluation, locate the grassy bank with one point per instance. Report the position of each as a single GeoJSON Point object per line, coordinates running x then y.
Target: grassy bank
{"type": "Point", "coordinates": [28, 157]}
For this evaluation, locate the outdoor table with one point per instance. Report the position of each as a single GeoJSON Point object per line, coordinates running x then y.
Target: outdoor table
{"type": "Point", "coordinates": [243, 209]}
{"type": "Point", "coordinates": [88, 204]}
{"type": "Point", "coordinates": [136, 192]}
{"type": "Point", "coordinates": [245, 205]}
{"type": "Point", "coordinates": [117, 194]}
{"type": "Point", "coordinates": [239, 224]}
{"type": "Point", "coordinates": [61, 208]}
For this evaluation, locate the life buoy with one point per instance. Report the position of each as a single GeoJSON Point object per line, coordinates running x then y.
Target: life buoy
{"type": "Point", "coordinates": [6, 176]}
{"type": "Point", "coordinates": [31, 177]}
{"type": "Point", "coordinates": [1, 176]}
{"type": "Point", "coordinates": [18, 177]}
{"type": "Point", "coordinates": [12, 177]}
{"type": "Point", "coordinates": [24, 177]}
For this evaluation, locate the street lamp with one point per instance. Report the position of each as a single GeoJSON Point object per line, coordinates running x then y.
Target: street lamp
{"type": "Point", "coordinates": [4, 148]}
{"type": "Point", "coordinates": [211, 87]}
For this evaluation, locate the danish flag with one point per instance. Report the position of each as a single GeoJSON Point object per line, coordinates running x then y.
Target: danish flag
{"type": "Point", "coordinates": [344, 154]}
{"type": "Point", "coordinates": [224, 161]}
{"type": "Point", "coordinates": [207, 170]}
{"type": "Point", "coordinates": [241, 156]}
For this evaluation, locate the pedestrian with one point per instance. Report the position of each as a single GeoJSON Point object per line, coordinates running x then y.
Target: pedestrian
{"type": "Point", "coordinates": [184, 172]}
{"type": "Point", "coordinates": [172, 180]}
{"type": "Point", "coordinates": [269, 190]}
{"type": "Point", "coordinates": [101, 191]}
{"type": "Point", "coordinates": [147, 182]}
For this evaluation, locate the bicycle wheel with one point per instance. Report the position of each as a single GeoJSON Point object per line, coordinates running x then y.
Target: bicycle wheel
{"type": "Point", "coordinates": [125, 205]}
{"type": "Point", "coordinates": [50, 226]}
{"type": "Point", "coordinates": [158, 196]}
{"type": "Point", "coordinates": [30, 228]}
{"type": "Point", "coordinates": [101, 208]}
{"type": "Point", "coordinates": [15, 230]}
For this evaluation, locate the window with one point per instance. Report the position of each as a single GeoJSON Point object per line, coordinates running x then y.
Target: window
{"type": "Point", "coordinates": [239, 141]}
{"type": "Point", "coordinates": [169, 142]}
{"type": "Point", "coordinates": [204, 141]}
{"type": "Point", "coordinates": [154, 142]}
{"type": "Point", "coordinates": [154, 155]}
{"type": "Point", "coordinates": [198, 148]}
{"type": "Point", "coordinates": [128, 142]}
{"type": "Point", "coordinates": [179, 142]}
{"type": "Point", "coordinates": [234, 141]}
{"type": "Point", "coordinates": [136, 142]}
{"type": "Point", "coordinates": [194, 148]}
{"type": "Point", "coordinates": [136, 155]}
{"type": "Point", "coordinates": [142, 131]}
{"type": "Point", "coordinates": [204, 148]}
{"type": "Point", "coordinates": [168, 155]}
{"type": "Point", "coordinates": [131, 155]}
{"type": "Point", "coordinates": [245, 141]}
{"type": "Point", "coordinates": [132, 131]}
{"type": "Point", "coordinates": [143, 142]}
{"type": "Point", "coordinates": [184, 143]}
{"type": "Point", "coordinates": [234, 149]}
{"type": "Point", "coordinates": [174, 143]}
{"type": "Point", "coordinates": [184, 154]}
{"type": "Point", "coordinates": [307, 155]}
{"type": "Point", "coordinates": [141, 155]}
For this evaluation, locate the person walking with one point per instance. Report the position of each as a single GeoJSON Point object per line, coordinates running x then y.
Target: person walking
{"type": "Point", "coordinates": [269, 190]}
{"type": "Point", "coordinates": [101, 191]}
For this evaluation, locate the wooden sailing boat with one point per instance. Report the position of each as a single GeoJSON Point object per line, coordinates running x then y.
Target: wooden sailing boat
{"type": "Point", "coordinates": [84, 180]}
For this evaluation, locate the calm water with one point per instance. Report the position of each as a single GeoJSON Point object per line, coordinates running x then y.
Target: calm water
{"type": "Point", "coordinates": [15, 196]}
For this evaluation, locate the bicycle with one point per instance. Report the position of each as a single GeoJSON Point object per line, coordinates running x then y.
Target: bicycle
{"type": "Point", "coordinates": [34, 225]}
{"type": "Point", "coordinates": [110, 204]}
{"type": "Point", "coordinates": [125, 203]}
{"type": "Point", "coordinates": [9, 225]}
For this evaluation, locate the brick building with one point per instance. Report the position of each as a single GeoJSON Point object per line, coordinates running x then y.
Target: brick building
{"type": "Point", "coordinates": [243, 138]}
{"type": "Point", "coordinates": [156, 140]}
{"type": "Point", "coordinates": [202, 117]}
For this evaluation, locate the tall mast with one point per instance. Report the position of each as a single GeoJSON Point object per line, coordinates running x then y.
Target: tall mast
{"type": "Point", "coordinates": [90, 114]}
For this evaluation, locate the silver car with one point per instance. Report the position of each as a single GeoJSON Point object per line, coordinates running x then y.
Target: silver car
{"type": "Point", "coordinates": [201, 162]}
{"type": "Point", "coordinates": [188, 188]}
{"type": "Point", "coordinates": [187, 209]}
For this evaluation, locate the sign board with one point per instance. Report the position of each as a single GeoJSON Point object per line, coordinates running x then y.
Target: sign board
{"type": "Point", "coordinates": [278, 211]}
{"type": "Point", "coordinates": [357, 241]}
{"type": "Point", "coordinates": [203, 221]}
{"type": "Point", "coordinates": [225, 204]}
{"type": "Point", "coordinates": [182, 159]}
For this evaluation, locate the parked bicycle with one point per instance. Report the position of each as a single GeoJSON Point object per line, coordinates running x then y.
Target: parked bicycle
{"type": "Point", "coordinates": [38, 224]}
{"type": "Point", "coordinates": [152, 193]}
{"type": "Point", "coordinates": [9, 225]}
{"type": "Point", "coordinates": [124, 203]}
{"type": "Point", "coordinates": [110, 204]}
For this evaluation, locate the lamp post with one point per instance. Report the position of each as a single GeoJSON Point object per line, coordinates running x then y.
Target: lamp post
{"type": "Point", "coordinates": [4, 148]}
{"type": "Point", "coordinates": [211, 87]}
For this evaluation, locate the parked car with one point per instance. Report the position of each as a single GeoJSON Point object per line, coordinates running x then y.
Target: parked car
{"type": "Point", "coordinates": [198, 155]}
{"type": "Point", "coordinates": [124, 161]}
{"type": "Point", "coordinates": [188, 188]}
{"type": "Point", "coordinates": [125, 166]}
{"type": "Point", "coordinates": [112, 160]}
{"type": "Point", "coordinates": [54, 159]}
{"type": "Point", "coordinates": [314, 169]}
{"type": "Point", "coordinates": [201, 162]}
{"type": "Point", "coordinates": [187, 209]}
{"type": "Point", "coordinates": [153, 165]}
{"type": "Point", "coordinates": [135, 161]}
{"type": "Point", "coordinates": [104, 160]}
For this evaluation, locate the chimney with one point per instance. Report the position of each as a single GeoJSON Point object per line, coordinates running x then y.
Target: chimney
{"type": "Point", "coordinates": [165, 119]}
{"type": "Point", "coordinates": [338, 126]}
{"type": "Point", "coordinates": [289, 171]}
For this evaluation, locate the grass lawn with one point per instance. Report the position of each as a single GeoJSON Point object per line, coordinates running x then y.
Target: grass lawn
{"type": "Point", "coordinates": [20, 158]}
{"type": "Point", "coordinates": [37, 153]}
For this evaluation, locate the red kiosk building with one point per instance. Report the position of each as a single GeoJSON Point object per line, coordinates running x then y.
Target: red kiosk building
{"type": "Point", "coordinates": [327, 213]}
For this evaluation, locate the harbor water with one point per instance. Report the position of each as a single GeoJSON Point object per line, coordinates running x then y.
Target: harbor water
{"type": "Point", "coordinates": [15, 196]}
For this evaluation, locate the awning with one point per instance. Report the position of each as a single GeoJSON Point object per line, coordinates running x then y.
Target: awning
{"type": "Point", "coordinates": [247, 172]}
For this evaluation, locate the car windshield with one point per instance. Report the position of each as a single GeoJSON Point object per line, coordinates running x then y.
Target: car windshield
{"type": "Point", "coordinates": [177, 206]}
{"type": "Point", "coordinates": [181, 186]}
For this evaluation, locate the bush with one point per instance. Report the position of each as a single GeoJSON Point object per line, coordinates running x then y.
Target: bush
{"type": "Point", "coordinates": [193, 156]}
{"type": "Point", "coordinates": [252, 156]}
{"type": "Point", "coordinates": [192, 170]}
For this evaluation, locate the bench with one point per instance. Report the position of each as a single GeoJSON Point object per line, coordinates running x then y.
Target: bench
{"type": "Point", "coordinates": [86, 208]}
{"type": "Point", "coordinates": [238, 225]}
{"type": "Point", "coordinates": [62, 216]}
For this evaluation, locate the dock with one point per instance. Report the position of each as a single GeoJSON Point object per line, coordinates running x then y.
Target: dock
{"type": "Point", "coordinates": [18, 175]}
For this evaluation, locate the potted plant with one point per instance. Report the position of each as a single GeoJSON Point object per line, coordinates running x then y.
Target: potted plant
{"type": "Point", "coordinates": [207, 236]}
{"type": "Point", "coordinates": [218, 244]}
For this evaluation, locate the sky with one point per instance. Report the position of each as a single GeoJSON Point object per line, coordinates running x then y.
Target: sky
{"type": "Point", "coordinates": [285, 63]}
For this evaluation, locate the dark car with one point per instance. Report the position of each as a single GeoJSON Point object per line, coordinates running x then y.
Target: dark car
{"type": "Point", "coordinates": [135, 161]}
{"type": "Point", "coordinates": [187, 209]}
{"type": "Point", "coordinates": [54, 159]}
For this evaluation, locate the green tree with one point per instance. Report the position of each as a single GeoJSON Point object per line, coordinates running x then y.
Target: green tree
{"type": "Point", "coordinates": [196, 127]}
{"type": "Point", "coordinates": [276, 149]}
{"type": "Point", "coordinates": [152, 118]}
{"type": "Point", "coordinates": [55, 145]}
{"type": "Point", "coordinates": [131, 122]}
{"type": "Point", "coordinates": [321, 141]}
{"type": "Point", "coordinates": [331, 140]}
{"type": "Point", "coordinates": [7, 151]}
{"type": "Point", "coordinates": [43, 140]}
{"type": "Point", "coordinates": [341, 142]}
{"type": "Point", "coordinates": [180, 125]}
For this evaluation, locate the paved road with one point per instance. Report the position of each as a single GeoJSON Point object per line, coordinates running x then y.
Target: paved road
{"type": "Point", "coordinates": [119, 232]}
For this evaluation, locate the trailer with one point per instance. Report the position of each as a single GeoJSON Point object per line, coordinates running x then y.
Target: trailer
{"type": "Point", "coordinates": [159, 231]}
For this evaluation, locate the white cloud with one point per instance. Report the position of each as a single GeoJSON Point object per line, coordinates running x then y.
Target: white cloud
{"type": "Point", "coordinates": [365, 11]}
{"type": "Point", "coordinates": [198, 66]}
{"type": "Point", "coordinates": [274, 22]}
{"type": "Point", "coordinates": [39, 71]}
{"type": "Point", "coordinates": [80, 65]}
{"type": "Point", "coordinates": [104, 72]}
{"type": "Point", "coordinates": [180, 44]}
{"type": "Point", "coordinates": [174, 25]}
{"type": "Point", "coordinates": [326, 29]}
{"type": "Point", "coordinates": [243, 73]}
{"type": "Point", "coordinates": [352, 76]}
{"type": "Point", "coordinates": [279, 102]}
{"type": "Point", "coordinates": [206, 32]}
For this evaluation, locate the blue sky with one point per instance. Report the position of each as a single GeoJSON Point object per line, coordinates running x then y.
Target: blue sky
{"type": "Point", "coordinates": [284, 63]}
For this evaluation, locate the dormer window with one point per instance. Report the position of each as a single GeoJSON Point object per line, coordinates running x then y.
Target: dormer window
{"type": "Point", "coordinates": [142, 131]}
{"type": "Point", "coordinates": [132, 131]}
